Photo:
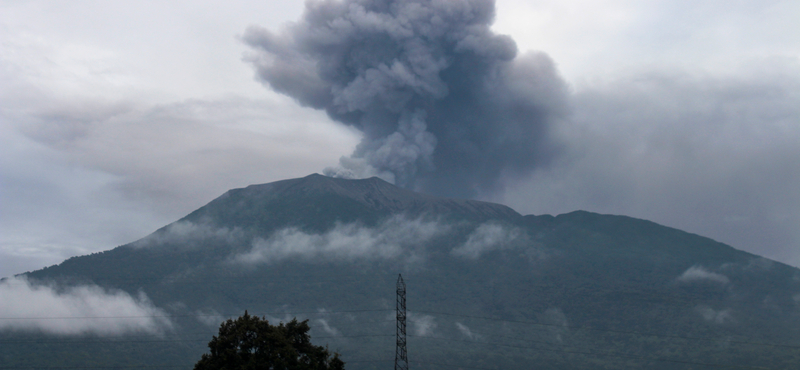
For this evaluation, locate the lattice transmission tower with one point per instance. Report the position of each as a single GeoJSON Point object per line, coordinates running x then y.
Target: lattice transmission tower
{"type": "Point", "coordinates": [401, 356]}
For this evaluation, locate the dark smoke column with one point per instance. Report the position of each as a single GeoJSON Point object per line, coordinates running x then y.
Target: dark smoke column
{"type": "Point", "coordinates": [445, 105]}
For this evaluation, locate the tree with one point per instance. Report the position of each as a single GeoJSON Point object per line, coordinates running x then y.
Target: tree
{"type": "Point", "coordinates": [251, 343]}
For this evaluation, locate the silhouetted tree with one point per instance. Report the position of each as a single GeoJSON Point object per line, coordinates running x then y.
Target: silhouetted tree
{"type": "Point", "coordinates": [251, 343]}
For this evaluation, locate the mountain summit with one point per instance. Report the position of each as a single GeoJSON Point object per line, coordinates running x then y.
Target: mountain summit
{"type": "Point", "coordinates": [487, 287]}
{"type": "Point", "coordinates": [318, 201]}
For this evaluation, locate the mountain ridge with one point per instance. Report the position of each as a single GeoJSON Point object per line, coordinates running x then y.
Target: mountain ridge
{"type": "Point", "coordinates": [317, 245]}
{"type": "Point", "coordinates": [318, 202]}
{"type": "Point", "coordinates": [379, 194]}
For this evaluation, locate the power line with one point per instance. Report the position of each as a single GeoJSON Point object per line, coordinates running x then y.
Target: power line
{"type": "Point", "coordinates": [400, 281]}
{"type": "Point", "coordinates": [656, 297]}
{"type": "Point", "coordinates": [217, 281]}
{"type": "Point", "coordinates": [317, 312]}
{"type": "Point", "coordinates": [486, 368]}
{"type": "Point", "coordinates": [66, 341]}
{"type": "Point", "coordinates": [211, 331]}
{"type": "Point", "coordinates": [601, 353]}
{"type": "Point", "coordinates": [188, 315]}
{"type": "Point", "coordinates": [610, 330]}
{"type": "Point", "coordinates": [133, 366]}
{"type": "Point", "coordinates": [93, 367]}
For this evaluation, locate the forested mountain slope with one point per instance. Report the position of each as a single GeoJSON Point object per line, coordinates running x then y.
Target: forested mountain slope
{"type": "Point", "coordinates": [488, 288]}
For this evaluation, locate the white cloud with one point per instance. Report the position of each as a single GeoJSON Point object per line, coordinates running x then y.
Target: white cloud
{"type": "Point", "coordinates": [716, 316]}
{"type": "Point", "coordinates": [486, 237]}
{"type": "Point", "coordinates": [103, 166]}
{"type": "Point", "coordinates": [466, 331]}
{"type": "Point", "coordinates": [77, 310]}
{"type": "Point", "coordinates": [185, 232]}
{"type": "Point", "coordinates": [390, 239]}
{"type": "Point", "coordinates": [597, 38]}
{"type": "Point", "coordinates": [557, 322]}
{"type": "Point", "coordinates": [715, 155]}
{"type": "Point", "coordinates": [760, 264]}
{"type": "Point", "coordinates": [325, 324]}
{"type": "Point", "coordinates": [101, 181]}
{"type": "Point", "coordinates": [287, 317]}
{"type": "Point", "coordinates": [328, 328]}
{"type": "Point", "coordinates": [209, 317]}
{"type": "Point", "coordinates": [699, 273]}
{"type": "Point", "coordinates": [422, 325]}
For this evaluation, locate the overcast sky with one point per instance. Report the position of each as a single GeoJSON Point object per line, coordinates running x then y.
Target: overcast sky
{"type": "Point", "coordinates": [118, 117]}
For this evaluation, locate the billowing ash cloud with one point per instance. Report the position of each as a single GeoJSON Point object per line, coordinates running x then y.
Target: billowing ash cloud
{"type": "Point", "coordinates": [444, 104]}
{"type": "Point", "coordinates": [77, 310]}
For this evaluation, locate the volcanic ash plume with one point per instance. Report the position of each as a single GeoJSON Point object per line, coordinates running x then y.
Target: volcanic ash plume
{"type": "Point", "coordinates": [444, 104]}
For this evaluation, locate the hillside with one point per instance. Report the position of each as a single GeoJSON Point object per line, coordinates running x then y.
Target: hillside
{"type": "Point", "coordinates": [488, 288]}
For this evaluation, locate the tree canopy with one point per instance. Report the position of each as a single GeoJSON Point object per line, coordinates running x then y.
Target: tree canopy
{"type": "Point", "coordinates": [252, 343]}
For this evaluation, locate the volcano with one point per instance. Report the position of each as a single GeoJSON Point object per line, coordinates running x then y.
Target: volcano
{"type": "Point", "coordinates": [487, 287]}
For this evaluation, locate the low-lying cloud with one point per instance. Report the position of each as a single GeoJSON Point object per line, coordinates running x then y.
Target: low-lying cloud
{"type": "Point", "coordinates": [488, 237]}
{"type": "Point", "coordinates": [466, 331]}
{"type": "Point", "coordinates": [715, 316]}
{"type": "Point", "coordinates": [209, 317]}
{"type": "Point", "coordinates": [328, 328]}
{"type": "Point", "coordinates": [422, 325]}
{"type": "Point", "coordinates": [699, 273]}
{"type": "Point", "coordinates": [557, 322]}
{"type": "Point", "coordinates": [186, 232]}
{"type": "Point", "coordinates": [389, 239]}
{"type": "Point", "coordinates": [77, 310]}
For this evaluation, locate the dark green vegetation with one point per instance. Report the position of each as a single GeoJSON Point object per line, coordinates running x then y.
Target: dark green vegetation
{"type": "Point", "coordinates": [487, 287]}
{"type": "Point", "coordinates": [250, 342]}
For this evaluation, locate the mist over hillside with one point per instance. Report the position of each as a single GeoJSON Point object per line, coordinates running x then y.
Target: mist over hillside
{"type": "Point", "coordinates": [487, 287]}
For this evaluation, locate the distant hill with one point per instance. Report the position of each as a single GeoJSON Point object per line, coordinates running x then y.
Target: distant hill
{"type": "Point", "coordinates": [488, 288]}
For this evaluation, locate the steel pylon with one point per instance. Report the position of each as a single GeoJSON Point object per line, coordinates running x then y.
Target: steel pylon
{"type": "Point", "coordinates": [401, 356]}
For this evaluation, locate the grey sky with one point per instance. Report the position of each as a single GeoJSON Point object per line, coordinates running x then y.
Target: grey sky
{"type": "Point", "coordinates": [118, 117]}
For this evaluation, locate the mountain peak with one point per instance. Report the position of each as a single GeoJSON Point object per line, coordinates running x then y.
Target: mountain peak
{"type": "Point", "coordinates": [316, 184]}
{"type": "Point", "coordinates": [319, 201]}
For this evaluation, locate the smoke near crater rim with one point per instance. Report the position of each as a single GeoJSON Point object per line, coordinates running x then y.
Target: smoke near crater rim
{"type": "Point", "coordinates": [445, 105]}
